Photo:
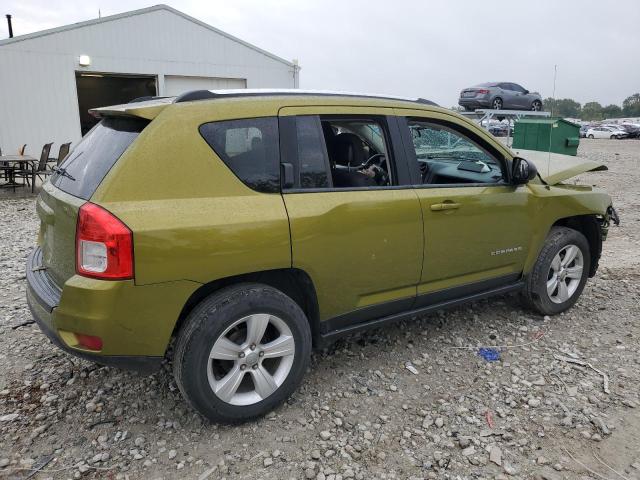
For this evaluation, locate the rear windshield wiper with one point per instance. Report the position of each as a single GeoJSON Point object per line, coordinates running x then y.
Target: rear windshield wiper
{"type": "Point", "coordinates": [63, 171]}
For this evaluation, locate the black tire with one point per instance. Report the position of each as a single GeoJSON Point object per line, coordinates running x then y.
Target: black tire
{"type": "Point", "coordinates": [208, 321]}
{"type": "Point", "coordinates": [497, 104]}
{"type": "Point", "coordinates": [591, 136]}
{"type": "Point", "coordinates": [613, 137]}
{"type": "Point", "coordinates": [535, 294]}
{"type": "Point", "coordinates": [536, 106]}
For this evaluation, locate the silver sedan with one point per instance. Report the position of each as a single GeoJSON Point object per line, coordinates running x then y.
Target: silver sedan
{"type": "Point", "coordinates": [500, 96]}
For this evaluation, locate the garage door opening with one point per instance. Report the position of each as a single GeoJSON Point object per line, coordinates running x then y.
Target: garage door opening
{"type": "Point", "coordinates": [102, 89]}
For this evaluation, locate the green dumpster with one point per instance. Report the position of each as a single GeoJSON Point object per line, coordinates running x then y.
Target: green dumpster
{"type": "Point", "coordinates": [556, 135]}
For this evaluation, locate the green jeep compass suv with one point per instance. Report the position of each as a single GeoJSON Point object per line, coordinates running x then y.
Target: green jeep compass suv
{"type": "Point", "coordinates": [251, 225]}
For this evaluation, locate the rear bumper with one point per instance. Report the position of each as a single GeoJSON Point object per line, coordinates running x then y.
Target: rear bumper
{"type": "Point", "coordinates": [472, 102]}
{"type": "Point", "coordinates": [44, 300]}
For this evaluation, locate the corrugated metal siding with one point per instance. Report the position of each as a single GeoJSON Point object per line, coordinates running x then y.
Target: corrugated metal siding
{"type": "Point", "coordinates": [178, 84]}
{"type": "Point", "coordinates": [38, 101]}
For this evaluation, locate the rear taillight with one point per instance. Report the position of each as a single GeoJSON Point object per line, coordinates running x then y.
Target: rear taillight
{"type": "Point", "coordinates": [104, 245]}
{"type": "Point", "coordinates": [482, 91]}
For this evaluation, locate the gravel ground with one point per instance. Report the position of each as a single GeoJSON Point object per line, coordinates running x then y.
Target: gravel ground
{"type": "Point", "coordinates": [412, 400]}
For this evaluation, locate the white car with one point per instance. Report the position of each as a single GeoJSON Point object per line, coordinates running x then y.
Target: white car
{"type": "Point", "coordinates": [606, 132]}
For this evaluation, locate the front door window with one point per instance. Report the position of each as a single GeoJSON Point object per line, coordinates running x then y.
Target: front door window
{"type": "Point", "coordinates": [446, 156]}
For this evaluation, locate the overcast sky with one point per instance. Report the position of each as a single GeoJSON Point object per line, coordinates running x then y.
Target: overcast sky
{"type": "Point", "coordinates": [430, 49]}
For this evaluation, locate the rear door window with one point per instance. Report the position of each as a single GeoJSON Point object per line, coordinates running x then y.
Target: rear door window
{"type": "Point", "coordinates": [98, 151]}
{"type": "Point", "coordinates": [313, 163]}
{"type": "Point", "coordinates": [342, 151]}
{"type": "Point", "coordinates": [249, 147]}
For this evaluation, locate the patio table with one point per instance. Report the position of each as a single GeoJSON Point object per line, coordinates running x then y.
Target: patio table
{"type": "Point", "coordinates": [19, 161]}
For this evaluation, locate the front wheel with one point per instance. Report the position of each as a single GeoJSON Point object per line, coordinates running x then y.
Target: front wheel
{"type": "Point", "coordinates": [497, 104]}
{"type": "Point", "coordinates": [242, 351]}
{"type": "Point", "coordinates": [591, 136]}
{"type": "Point", "coordinates": [536, 106]}
{"type": "Point", "coordinates": [560, 273]}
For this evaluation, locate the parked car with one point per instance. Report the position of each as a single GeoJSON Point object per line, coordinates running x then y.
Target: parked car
{"type": "Point", "coordinates": [583, 130]}
{"type": "Point", "coordinates": [606, 132]}
{"type": "Point", "coordinates": [498, 129]}
{"type": "Point", "coordinates": [250, 225]}
{"type": "Point", "coordinates": [633, 131]}
{"type": "Point", "coordinates": [499, 96]}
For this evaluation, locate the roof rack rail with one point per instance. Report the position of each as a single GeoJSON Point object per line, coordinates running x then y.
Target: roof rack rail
{"type": "Point", "coordinates": [235, 93]}
{"type": "Point", "coordinates": [426, 102]}
{"type": "Point", "coordinates": [145, 99]}
{"type": "Point", "coordinates": [195, 95]}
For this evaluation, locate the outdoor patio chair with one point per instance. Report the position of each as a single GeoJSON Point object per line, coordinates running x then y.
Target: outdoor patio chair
{"type": "Point", "coordinates": [40, 171]}
{"type": "Point", "coordinates": [5, 169]}
{"type": "Point", "coordinates": [62, 154]}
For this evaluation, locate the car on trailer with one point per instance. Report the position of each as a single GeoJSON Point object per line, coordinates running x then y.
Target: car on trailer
{"type": "Point", "coordinates": [500, 96]}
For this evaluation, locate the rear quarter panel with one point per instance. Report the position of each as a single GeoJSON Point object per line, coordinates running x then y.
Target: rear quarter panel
{"type": "Point", "coordinates": [192, 219]}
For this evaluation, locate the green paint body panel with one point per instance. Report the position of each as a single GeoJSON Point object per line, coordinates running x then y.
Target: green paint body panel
{"type": "Point", "coordinates": [554, 135]}
{"type": "Point", "coordinates": [58, 212]}
{"type": "Point", "coordinates": [130, 319]}
{"type": "Point", "coordinates": [360, 248]}
{"type": "Point", "coordinates": [194, 222]}
{"type": "Point", "coordinates": [458, 243]}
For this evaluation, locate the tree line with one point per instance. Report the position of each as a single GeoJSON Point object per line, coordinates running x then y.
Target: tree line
{"type": "Point", "coordinates": [566, 107]}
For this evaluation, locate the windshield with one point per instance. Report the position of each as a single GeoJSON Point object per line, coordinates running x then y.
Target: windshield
{"type": "Point", "coordinates": [89, 162]}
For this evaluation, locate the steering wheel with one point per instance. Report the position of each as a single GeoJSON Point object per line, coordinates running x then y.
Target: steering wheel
{"type": "Point", "coordinates": [381, 176]}
{"type": "Point", "coordinates": [370, 160]}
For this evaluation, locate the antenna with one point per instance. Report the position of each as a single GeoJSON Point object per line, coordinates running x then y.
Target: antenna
{"type": "Point", "coordinates": [553, 103]}
{"type": "Point", "coordinates": [99, 14]}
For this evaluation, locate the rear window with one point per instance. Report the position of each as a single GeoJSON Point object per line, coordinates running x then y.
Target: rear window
{"type": "Point", "coordinates": [97, 152]}
{"type": "Point", "coordinates": [249, 147]}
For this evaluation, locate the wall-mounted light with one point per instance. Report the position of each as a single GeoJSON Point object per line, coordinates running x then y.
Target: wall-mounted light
{"type": "Point", "coordinates": [84, 60]}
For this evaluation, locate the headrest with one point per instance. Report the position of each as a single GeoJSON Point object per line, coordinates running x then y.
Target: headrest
{"type": "Point", "coordinates": [349, 150]}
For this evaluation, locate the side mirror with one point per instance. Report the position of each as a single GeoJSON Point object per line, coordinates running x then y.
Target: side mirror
{"type": "Point", "coordinates": [526, 92]}
{"type": "Point", "coordinates": [523, 171]}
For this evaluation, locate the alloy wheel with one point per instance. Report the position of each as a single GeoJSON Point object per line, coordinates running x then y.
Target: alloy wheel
{"type": "Point", "coordinates": [565, 274]}
{"type": "Point", "coordinates": [497, 104]}
{"type": "Point", "coordinates": [251, 359]}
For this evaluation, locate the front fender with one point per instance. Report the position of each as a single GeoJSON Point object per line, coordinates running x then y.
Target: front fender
{"type": "Point", "coordinates": [553, 204]}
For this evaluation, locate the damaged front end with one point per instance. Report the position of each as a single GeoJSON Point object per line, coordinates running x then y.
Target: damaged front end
{"type": "Point", "coordinates": [606, 219]}
{"type": "Point", "coordinates": [554, 168]}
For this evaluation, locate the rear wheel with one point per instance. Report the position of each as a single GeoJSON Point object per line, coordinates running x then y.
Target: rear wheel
{"type": "Point", "coordinates": [497, 103]}
{"type": "Point", "coordinates": [536, 106]}
{"type": "Point", "coordinates": [242, 352]}
{"type": "Point", "coordinates": [591, 136]}
{"type": "Point", "coordinates": [560, 273]}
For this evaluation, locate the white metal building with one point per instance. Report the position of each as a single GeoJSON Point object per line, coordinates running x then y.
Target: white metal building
{"type": "Point", "coordinates": [49, 79]}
